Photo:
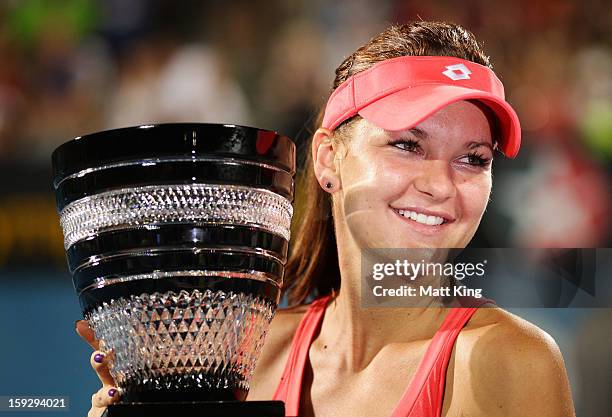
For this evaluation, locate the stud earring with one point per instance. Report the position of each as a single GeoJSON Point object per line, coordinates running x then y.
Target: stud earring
{"type": "Point", "coordinates": [329, 184]}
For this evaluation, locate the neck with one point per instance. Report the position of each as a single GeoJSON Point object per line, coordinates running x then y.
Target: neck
{"type": "Point", "coordinates": [357, 333]}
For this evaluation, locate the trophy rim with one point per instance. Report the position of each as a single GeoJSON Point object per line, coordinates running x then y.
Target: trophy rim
{"type": "Point", "coordinates": [82, 152]}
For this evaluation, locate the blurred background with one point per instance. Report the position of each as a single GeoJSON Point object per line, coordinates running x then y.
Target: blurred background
{"type": "Point", "coordinates": [72, 67]}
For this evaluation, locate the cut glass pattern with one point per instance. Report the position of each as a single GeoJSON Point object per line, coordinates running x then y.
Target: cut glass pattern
{"type": "Point", "coordinates": [192, 203]}
{"type": "Point", "coordinates": [188, 340]}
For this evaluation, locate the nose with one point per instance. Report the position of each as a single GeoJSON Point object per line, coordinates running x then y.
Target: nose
{"type": "Point", "coordinates": [435, 179]}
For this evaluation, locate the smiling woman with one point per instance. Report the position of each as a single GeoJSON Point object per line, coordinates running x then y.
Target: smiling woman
{"type": "Point", "coordinates": [401, 158]}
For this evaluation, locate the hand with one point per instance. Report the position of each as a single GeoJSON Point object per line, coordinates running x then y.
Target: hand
{"type": "Point", "coordinates": [99, 360]}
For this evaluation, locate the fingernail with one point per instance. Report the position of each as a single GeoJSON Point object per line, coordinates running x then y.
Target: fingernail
{"type": "Point", "coordinates": [98, 357]}
{"type": "Point", "coordinates": [112, 392]}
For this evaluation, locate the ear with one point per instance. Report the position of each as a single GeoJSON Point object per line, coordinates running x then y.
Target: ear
{"type": "Point", "coordinates": [324, 154]}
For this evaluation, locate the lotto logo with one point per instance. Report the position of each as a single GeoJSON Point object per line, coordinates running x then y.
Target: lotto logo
{"type": "Point", "coordinates": [457, 72]}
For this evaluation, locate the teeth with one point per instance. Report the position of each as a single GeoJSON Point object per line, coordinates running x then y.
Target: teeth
{"type": "Point", "coordinates": [422, 218]}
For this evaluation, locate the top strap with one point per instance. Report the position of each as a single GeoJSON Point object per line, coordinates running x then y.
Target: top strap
{"type": "Point", "coordinates": [290, 386]}
{"type": "Point", "coordinates": [424, 395]}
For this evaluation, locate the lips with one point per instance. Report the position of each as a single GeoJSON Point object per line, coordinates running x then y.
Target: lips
{"type": "Point", "coordinates": [424, 220]}
{"type": "Point", "coordinates": [445, 216]}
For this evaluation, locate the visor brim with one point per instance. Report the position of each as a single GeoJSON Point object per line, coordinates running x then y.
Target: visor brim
{"type": "Point", "coordinates": [407, 108]}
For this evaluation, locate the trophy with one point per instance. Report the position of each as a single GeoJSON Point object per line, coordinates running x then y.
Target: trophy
{"type": "Point", "coordinates": [176, 236]}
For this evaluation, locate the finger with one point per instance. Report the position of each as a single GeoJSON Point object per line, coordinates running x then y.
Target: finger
{"type": "Point", "coordinates": [96, 412]}
{"type": "Point", "coordinates": [99, 361]}
{"type": "Point", "coordinates": [83, 329]}
{"type": "Point", "coordinates": [105, 396]}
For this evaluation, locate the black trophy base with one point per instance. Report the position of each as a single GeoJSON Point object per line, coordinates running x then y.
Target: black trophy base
{"type": "Point", "coordinates": [198, 409]}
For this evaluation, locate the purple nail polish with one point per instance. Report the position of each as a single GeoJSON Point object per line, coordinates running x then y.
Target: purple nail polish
{"type": "Point", "coordinates": [112, 392]}
{"type": "Point", "coordinates": [98, 357]}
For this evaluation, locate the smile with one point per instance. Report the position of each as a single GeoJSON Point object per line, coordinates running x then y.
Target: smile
{"type": "Point", "coordinates": [428, 223]}
{"type": "Point", "coordinates": [421, 218]}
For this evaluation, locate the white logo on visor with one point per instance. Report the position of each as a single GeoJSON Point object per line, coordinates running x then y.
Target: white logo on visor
{"type": "Point", "coordinates": [457, 72]}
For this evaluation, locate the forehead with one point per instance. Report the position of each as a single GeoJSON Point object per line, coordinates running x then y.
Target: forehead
{"type": "Point", "coordinates": [459, 120]}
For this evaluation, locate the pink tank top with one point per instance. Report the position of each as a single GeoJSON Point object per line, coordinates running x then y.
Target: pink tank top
{"type": "Point", "coordinates": [424, 395]}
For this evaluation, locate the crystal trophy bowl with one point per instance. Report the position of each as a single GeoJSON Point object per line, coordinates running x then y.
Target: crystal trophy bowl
{"type": "Point", "coordinates": [176, 236]}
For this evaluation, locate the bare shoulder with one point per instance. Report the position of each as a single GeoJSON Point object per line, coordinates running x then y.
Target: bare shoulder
{"type": "Point", "coordinates": [282, 329]}
{"type": "Point", "coordinates": [514, 367]}
{"type": "Point", "coordinates": [274, 352]}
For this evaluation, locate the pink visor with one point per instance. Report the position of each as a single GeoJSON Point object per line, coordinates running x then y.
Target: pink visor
{"type": "Point", "coordinates": [399, 93]}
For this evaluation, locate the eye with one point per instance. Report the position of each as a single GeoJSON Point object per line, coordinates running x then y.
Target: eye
{"type": "Point", "coordinates": [409, 145]}
{"type": "Point", "coordinates": [476, 159]}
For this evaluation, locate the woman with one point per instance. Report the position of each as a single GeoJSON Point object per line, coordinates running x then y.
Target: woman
{"type": "Point", "coordinates": [401, 159]}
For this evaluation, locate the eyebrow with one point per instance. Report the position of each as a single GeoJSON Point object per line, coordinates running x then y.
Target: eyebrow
{"type": "Point", "coordinates": [476, 144]}
{"type": "Point", "coordinates": [421, 134]}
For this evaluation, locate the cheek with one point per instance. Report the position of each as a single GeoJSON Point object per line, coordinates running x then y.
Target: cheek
{"type": "Point", "coordinates": [475, 193]}
{"type": "Point", "coordinates": [380, 178]}
{"type": "Point", "coordinates": [390, 177]}
{"type": "Point", "coordinates": [367, 187]}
